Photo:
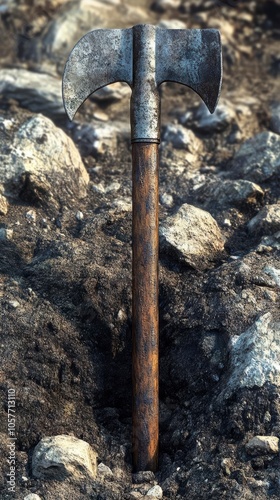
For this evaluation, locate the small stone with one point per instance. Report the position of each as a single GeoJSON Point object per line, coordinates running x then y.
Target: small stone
{"type": "Point", "coordinates": [172, 24]}
{"type": "Point", "coordinates": [104, 470]}
{"type": "Point", "coordinates": [260, 445]}
{"type": "Point", "coordinates": [230, 192]}
{"type": "Point", "coordinates": [273, 273]}
{"type": "Point", "coordinates": [79, 215]}
{"type": "Point", "coordinates": [266, 222]}
{"type": "Point", "coordinates": [6, 234]}
{"type": "Point", "coordinates": [58, 457]}
{"type": "Point", "coordinates": [31, 215]}
{"type": "Point", "coordinates": [167, 200]}
{"type": "Point", "coordinates": [226, 465]}
{"type": "Point", "coordinates": [3, 205]}
{"type": "Point", "coordinates": [14, 304]}
{"type": "Point", "coordinates": [32, 496]}
{"type": "Point", "coordinates": [143, 476]}
{"type": "Point", "coordinates": [193, 236]}
{"type": "Point", "coordinates": [155, 492]}
{"type": "Point", "coordinates": [181, 138]}
{"type": "Point", "coordinates": [258, 159]}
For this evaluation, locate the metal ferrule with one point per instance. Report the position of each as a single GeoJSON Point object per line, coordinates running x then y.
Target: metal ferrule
{"type": "Point", "coordinates": [145, 101]}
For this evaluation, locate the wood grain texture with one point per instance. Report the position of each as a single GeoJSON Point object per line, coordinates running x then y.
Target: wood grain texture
{"type": "Point", "coordinates": [145, 324]}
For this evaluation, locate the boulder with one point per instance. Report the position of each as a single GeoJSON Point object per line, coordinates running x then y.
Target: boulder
{"type": "Point", "coordinates": [39, 161]}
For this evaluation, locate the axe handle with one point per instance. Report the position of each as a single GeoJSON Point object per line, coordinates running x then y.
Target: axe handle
{"type": "Point", "coordinates": [145, 323]}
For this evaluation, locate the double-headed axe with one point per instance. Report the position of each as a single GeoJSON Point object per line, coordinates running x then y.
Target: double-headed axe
{"type": "Point", "coordinates": [144, 56]}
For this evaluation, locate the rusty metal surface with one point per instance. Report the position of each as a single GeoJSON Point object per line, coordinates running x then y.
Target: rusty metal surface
{"type": "Point", "coordinates": [145, 329]}
{"type": "Point", "coordinates": [144, 56]}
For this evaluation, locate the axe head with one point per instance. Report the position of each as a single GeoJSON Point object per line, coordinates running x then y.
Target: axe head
{"type": "Point", "coordinates": [147, 53]}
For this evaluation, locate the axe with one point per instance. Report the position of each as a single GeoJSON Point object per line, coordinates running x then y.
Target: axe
{"type": "Point", "coordinates": [144, 56]}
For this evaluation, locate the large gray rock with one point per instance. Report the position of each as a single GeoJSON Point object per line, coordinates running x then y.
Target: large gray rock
{"type": "Point", "coordinates": [39, 157]}
{"type": "Point", "coordinates": [230, 192]}
{"type": "Point", "coordinates": [258, 159]}
{"type": "Point", "coordinates": [193, 235]}
{"type": "Point", "coordinates": [59, 457]}
{"type": "Point", "coordinates": [255, 356]}
{"type": "Point", "coordinates": [38, 92]}
{"type": "Point", "coordinates": [266, 222]}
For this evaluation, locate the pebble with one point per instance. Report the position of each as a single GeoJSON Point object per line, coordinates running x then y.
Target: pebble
{"type": "Point", "coordinates": [167, 200]}
{"type": "Point", "coordinates": [273, 273]}
{"type": "Point", "coordinates": [79, 215]}
{"type": "Point", "coordinates": [14, 304]}
{"type": "Point", "coordinates": [155, 492]}
{"type": "Point", "coordinates": [31, 215]}
{"type": "Point", "coordinates": [260, 445]}
{"type": "Point", "coordinates": [266, 222]}
{"type": "Point", "coordinates": [58, 457]}
{"type": "Point", "coordinates": [3, 205]}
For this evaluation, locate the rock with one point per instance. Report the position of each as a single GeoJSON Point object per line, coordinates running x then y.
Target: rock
{"type": "Point", "coordinates": [164, 5]}
{"type": "Point", "coordinates": [275, 118]}
{"type": "Point", "coordinates": [266, 222]}
{"type": "Point", "coordinates": [258, 159]}
{"type": "Point", "coordinates": [143, 476]}
{"type": "Point", "coordinates": [82, 16]}
{"type": "Point", "coordinates": [37, 92]}
{"type": "Point", "coordinates": [273, 273]}
{"type": "Point", "coordinates": [6, 234]}
{"type": "Point", "coordinates": [96, 139]}
{"type": "Point", "coordinates": [181, 138]}
{"type": "Point", "coordinates": [113, 92]}
{"type": "Point", "coordinates": [58, 457]}
{"type": "Point", "coordinates": [79, 215]}
{"type": "Point", "coordinates": [155, 492]}
{"type": "Point", "coordinates": [230, 192]}
{"type": "Point", "coordinates": [260, 445]}
{"type": "Point", "coordinates": [104, 470]}
{"type": "Point", "coordinates": [3, 205]}
{"type": "Point", "coordinates": [254, 356]}
{"type": "Point", "coordinates": [40, 162]}
{"type": "Point", "coordinates": [193, 235]}
{"type": "Point", "coordinates": [204, 121]}
{"type": "Point", "coordinates": [32, 496]}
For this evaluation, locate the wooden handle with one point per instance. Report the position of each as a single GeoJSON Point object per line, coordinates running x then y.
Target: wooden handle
{"type": "Point", "coordinates": [145, 329]}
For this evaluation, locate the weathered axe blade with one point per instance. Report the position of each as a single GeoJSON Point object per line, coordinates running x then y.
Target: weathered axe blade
{"type": "Point", "coordinates": [144, 57]}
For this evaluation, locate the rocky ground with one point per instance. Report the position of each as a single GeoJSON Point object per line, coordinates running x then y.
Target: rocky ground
{"type": "Point", "coordinates": [65, 260]}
